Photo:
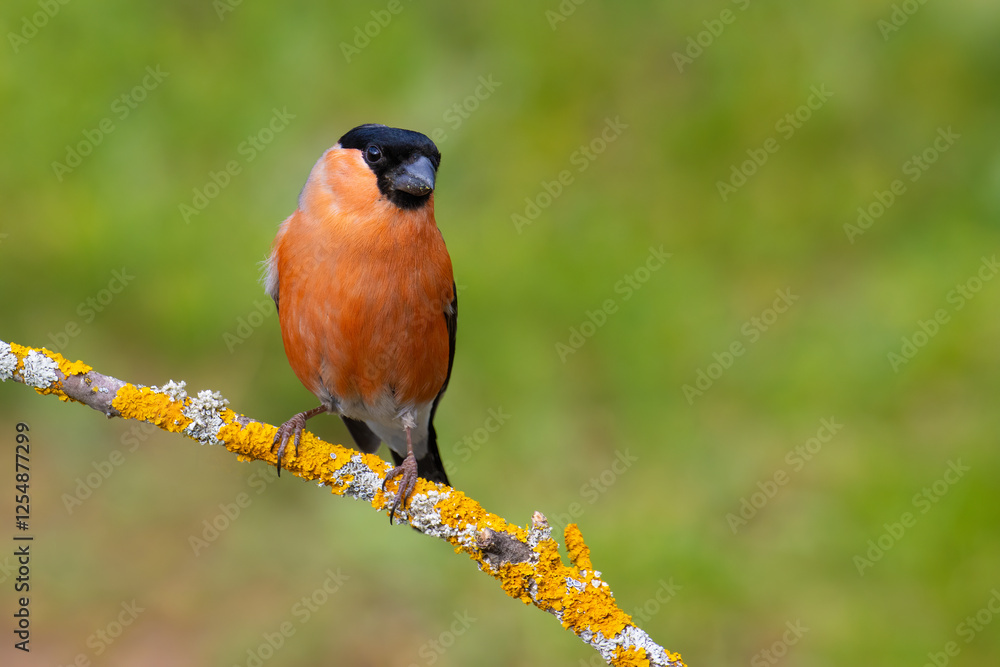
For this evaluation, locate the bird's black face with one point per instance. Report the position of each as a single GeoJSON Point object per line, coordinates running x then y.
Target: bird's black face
{"type": "Point", "coordinates": [404, 162]}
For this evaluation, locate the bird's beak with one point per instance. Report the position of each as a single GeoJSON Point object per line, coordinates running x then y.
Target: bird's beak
{"type": "Point", "coordinates": [415, 178]}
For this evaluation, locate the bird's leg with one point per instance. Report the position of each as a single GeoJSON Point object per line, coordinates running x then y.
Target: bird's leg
{"type": "Point", "coordinates": [292, 430]}
{"type": "Point", "coordinates": [408, 469]}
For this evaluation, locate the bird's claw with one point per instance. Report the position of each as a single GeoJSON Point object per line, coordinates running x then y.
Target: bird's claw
{"type": "Point", "coordinates": [408, 469]}
{"type": "Point", "coordinates": [290, 430]}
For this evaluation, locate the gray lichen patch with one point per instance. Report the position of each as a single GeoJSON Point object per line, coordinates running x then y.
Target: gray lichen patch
{"type": "Point", "coordinates": [362, 484]}
{"type": "Point", "coordinates": [175, 390]}
{"type": "Point", "coordinates": [8, 362]}
{"type": "Point", "coordinates": [424, 515]}
{"type": "Point", "coordinates": [39, 370]}
{"type": "Point", "coordinates": [203, 411]}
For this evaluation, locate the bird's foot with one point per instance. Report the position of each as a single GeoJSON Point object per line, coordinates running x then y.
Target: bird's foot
{"type": "Point", "coordinates": [408, 469]}
{"type": "Point", "coordinates": [290, 430]}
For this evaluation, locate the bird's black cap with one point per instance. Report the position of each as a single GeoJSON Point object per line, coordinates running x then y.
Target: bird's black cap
{"type": "Point", "coordinates": [404, 162]}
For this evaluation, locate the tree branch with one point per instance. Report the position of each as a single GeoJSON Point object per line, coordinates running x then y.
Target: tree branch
{"type": "Point", "coordinates": [525, 561]}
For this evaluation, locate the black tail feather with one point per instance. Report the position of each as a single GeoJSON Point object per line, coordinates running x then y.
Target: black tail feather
{"type": "Point", "coordinates": [363, 436]}
{"type": "Point", "coordinates": [431, 467]}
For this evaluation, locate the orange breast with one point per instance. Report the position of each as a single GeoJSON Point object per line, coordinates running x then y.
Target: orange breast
{"type": "Point", "coordinates": [363, 288]}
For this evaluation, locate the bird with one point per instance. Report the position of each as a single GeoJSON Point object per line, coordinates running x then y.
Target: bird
{"type": "Point", "coordinates": [366, 298]}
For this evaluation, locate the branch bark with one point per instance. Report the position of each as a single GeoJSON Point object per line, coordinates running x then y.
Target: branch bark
{"type": "Point", "coordinates": [525, 561]}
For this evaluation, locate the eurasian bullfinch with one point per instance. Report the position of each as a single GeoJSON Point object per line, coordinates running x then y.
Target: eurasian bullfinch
{"type": "Point", "coordinates": [366, 298]}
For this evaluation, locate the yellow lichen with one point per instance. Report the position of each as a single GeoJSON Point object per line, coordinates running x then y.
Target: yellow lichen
{"type": "Point", "coordinates": [340, 486]}
{"type": "Point", "coordinates": [251, 442]}
{"type": "Point", "coordinates": [627, 656]}
{"type": "Point", "coordinates": [515, 579]}
{"type": "Point", "coordinates": [458, 511]}
{"type": "Point", "coordinates": [675, 657]}
{"type": "Point", "coordinates": [579, 552]}
{"type": "Point", "coordinates": [20, 351]}
{"type": "Point", "coordinates": [316, 459]}
{"type": "Point", "coordinates": [150, 406]}
{"type": "Point", "coordinates": [65, 365]}
{"type": "Point", "coordinates": [544, 584]}
{"type": "Point", "coordinates": [372, 461]}
{"type": "Point", "coordinates": [594, 609]}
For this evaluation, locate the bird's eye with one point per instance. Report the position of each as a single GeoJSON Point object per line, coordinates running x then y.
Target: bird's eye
{"type": "Point", "coordinates": [373, 154]}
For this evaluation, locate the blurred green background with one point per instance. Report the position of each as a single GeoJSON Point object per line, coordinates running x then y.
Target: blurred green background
{"type": "Point", "coordinates": [662, 521]}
